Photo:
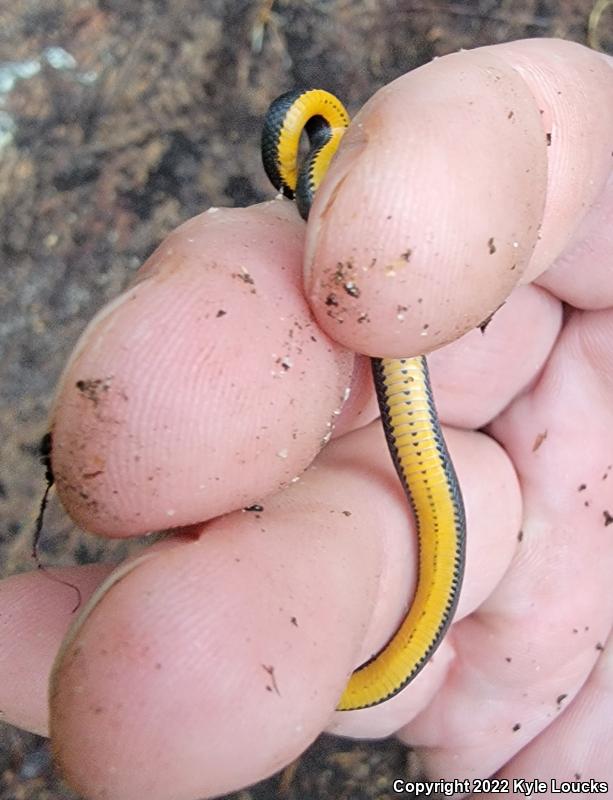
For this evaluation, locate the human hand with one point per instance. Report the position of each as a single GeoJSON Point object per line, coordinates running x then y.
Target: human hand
{"type": "Point", "coordinates": [208, 386]}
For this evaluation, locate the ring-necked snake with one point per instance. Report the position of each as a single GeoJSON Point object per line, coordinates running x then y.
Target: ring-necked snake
{"type": "Point", "coordinates": [409, 419]}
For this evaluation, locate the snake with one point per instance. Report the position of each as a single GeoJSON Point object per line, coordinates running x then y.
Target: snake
{"type": "Point", "coordinates": [408, 414]}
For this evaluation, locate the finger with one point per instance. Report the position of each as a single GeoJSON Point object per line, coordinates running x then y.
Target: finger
{"type": "Point", "coordinates": [581, 275]}
{"type": "Point", "coordinates": [535, 640]}
{"type": "Point", "coordinates": [35, 613]}
{"type": "Point", "coordinates": [242, 640]}
{"type": "Point", "coordinates": [445, 194]}
{"type": "Point", "coordinates": [210, 366]}
{"type": "Point", "coordinates": [577, 745]}
{"type": "Point", "coordinates": [573, 86]}
{"type": "Point", "coordinates": [477, 376]}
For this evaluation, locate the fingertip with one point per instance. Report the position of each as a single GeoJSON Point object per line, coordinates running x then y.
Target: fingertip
{"type": "Point", "coordinates": [216, 647]}
{"type": "Point", "coordinates": [430, 218]}
{"type": "Point", "coordinates": [205, 368]}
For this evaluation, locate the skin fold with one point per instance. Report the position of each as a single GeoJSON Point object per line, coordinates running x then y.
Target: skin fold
{"type": "Point", "coordinates": [214, 382]}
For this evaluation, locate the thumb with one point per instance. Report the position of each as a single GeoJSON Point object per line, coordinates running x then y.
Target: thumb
{"type": "Point", "coordinates": [452, 186]}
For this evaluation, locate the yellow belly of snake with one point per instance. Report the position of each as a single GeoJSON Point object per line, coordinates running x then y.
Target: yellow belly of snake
{"type": "Point", "coordinates": [409, 417]}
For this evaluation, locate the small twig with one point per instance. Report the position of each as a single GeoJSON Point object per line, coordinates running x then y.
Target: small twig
{"type": "Point", "coordinates": [45, 448]}
{"type": "Point", "coordinates": [596, 13]}
{"type": "Point", "coordinates": [259, 26]}
{"type": "Point", "coordinates": [287, 778]}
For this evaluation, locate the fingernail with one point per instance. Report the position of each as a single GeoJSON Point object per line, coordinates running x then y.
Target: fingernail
{"type": "Point", "coordinates": [112, 580]}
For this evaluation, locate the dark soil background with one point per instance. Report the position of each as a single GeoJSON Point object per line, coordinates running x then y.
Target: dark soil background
{"type": "Point", "coordinates": [120, 119]}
